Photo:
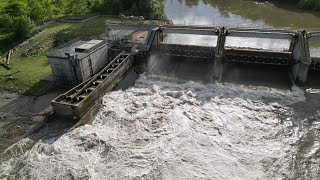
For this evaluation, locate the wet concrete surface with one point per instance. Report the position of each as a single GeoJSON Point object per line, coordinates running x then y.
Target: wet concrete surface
{"type": "Point", "coordinates": [257, 75]}
{"type": "Point", "coordinates": [19, 114]}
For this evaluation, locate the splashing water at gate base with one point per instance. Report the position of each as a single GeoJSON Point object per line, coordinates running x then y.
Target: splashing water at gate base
{"type": "Point", "coordinates": [161, 129]}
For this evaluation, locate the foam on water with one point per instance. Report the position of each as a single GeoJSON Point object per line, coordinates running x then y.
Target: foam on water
{"type": "Point", "coordinates": [166, 130]}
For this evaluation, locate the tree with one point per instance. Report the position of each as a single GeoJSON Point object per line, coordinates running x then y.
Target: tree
{"type": "Point", "coordinates": [157, 8]}
{"type": "Point", "coordinates": [116, 7]}
{"type": "Point", "coordinates": [6, 21]}
{"type": "Point", "coordinates": [58, 6]}
{"type": "Point", "coordinates": [76, 7]}
{"type": "Point", "coordinates": [135, 10]}
{"type": "Point", "coordinates": [37, 10]}
{"type": "Point", "coordinates": [23, 26]}
{"type": "Point", "coordinates": [15, 9]}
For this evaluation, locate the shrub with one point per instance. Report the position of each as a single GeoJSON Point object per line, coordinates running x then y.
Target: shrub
{"type": "Point", "coordinates": [310, 4]}
{"type": "Point", "coordinates": [23, 26]}
{"type": "Point", "coordinates": [6, 21]}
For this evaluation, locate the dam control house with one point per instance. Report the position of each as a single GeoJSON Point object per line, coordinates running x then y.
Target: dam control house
{"type": "Point", "coordinates": [78, 60]}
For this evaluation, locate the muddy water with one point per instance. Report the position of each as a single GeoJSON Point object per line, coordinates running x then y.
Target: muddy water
{"type": "Point", "coordinates": [166, 127]}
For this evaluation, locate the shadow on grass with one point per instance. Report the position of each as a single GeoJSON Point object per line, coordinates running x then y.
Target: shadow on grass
{"type": "Point", "coordinates": [40, 88]}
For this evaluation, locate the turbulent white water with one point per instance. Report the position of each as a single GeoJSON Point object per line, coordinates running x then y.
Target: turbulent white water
{"type": "Point", "coordinates": [165, 130]}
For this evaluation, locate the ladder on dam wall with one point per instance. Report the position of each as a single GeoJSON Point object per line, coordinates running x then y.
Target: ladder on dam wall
{"type": "Point", "coordinates": [297, 57]}
{"type": "Point", "coordinates": [77, 101]}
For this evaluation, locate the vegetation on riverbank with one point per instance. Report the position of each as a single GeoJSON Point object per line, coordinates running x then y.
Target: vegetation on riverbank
{"type": "Point", "coordinates": [18, 19]}
{"type": "Point", "coordinates": [309, 4]}
{"type": "Point", "coordinates": [303, 4]}
{"type": "Point", "coordinates": [147, 8]}
{"type": "Point", "coordinates": [32, 70]}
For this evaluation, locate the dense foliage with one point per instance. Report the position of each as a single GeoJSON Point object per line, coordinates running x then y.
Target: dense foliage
{"type": "Point", "coordinates": [14, 18]}
{"type": "Point", "coordinates": [310, 4]}
{"type": "Point", "coordinates": [130, 7]}
{"type": "Point", "coordinates": [20, 16]}
{"type": "Point", "coordinates": [303, 4]}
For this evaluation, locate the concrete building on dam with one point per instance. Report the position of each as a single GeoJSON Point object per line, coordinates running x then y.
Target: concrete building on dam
{"type": "Point", "coordinates": [78, 60]}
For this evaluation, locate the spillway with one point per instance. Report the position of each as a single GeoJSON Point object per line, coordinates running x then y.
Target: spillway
{"type": "Point", "coordinates": [164, 128]}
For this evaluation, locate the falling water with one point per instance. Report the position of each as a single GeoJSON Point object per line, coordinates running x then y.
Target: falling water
{"type": "Point", "coordinates": [160, 129]}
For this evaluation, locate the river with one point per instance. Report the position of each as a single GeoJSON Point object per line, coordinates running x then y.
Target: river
{"type": "Point", "coordinates": [240, 13]}
{"type": "Point", "coordinates": [167, 127]}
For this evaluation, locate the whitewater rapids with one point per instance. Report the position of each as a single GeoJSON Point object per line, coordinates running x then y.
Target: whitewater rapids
{"type": "Point", "coordinates": [167, 130]}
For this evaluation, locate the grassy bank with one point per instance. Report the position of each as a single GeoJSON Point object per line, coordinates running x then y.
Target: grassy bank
{"type": "Point", "coordinates": [29, 63]}
{"type": "Point", "coordinates": [32, 69]}
{"type": "Point", "coordinates": [28, 72]}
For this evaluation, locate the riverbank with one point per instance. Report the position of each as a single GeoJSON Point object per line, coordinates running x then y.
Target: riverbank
{"type": "Point", "coordinates": [19, 114]}
{"type": "Point", "coordinates": [29, 64]}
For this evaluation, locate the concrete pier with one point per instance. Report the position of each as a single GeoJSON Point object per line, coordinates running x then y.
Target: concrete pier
{"type": "Point", "coordinates": [219, 54]}
{"type": "Point", "coordinates": [301, 57]}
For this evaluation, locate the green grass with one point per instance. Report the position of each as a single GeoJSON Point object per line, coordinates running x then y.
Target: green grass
{"type": "Point", "coordinates": [31, 71]}
{"type": "Point", "coordinates": [94, 27]}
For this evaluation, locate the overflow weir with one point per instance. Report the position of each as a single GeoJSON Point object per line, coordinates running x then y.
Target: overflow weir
{"type": "Point", "coordinates": [125, 55]}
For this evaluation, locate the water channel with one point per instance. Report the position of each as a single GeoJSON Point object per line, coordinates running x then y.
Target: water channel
{"type": "Point", "coordinates": [167, 127]}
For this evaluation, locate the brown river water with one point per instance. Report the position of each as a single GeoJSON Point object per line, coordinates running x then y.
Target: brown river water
{"type": "Point", "coordinates": [172, 124]}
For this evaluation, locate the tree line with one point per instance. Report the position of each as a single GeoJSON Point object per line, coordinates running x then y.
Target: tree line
{"type": "Point", "coordinates": [147, 8]}
{"type": "Point", "coordinates": [302, 4]}
{"type": "Point", "coordinates": [309, 4]}
{"type": "Point", "coordinates": [20, 16]}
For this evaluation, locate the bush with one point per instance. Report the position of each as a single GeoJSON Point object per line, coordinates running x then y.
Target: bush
{"type": "Point", "coordinates": [15, 8]}
{"type": "Point", "coordinates": [310, 4]}
{"type": "Point", "coordinates": [6, 21]}
{"type": "Point", "coordinates": [23, 27]}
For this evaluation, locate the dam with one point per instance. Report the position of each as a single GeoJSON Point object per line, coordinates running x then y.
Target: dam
{"type": "Point", "coordinates": [294, 56]}
{"type": "Point", "coordinates": [182, 125]}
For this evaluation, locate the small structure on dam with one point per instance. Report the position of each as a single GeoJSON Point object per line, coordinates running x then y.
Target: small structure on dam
{"type": "Point", "coordinates": [78, 60]}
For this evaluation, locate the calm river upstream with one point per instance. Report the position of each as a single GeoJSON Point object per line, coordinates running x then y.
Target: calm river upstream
{"type": "Point", "coordinates": [168, 127]}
